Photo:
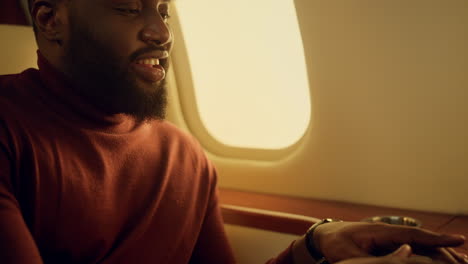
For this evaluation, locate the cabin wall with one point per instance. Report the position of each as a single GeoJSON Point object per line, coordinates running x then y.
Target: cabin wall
{"type": "Point", "coordinates": [21, 49]}
{"type": "Point", "coordinates": [389, 114]}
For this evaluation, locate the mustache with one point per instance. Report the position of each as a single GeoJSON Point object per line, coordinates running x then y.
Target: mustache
{"type": "Point", "coordinates": [145, 50]}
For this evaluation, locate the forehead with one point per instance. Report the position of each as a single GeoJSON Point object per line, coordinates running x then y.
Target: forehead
{"type": "Point", "coordinates": [87, 5]}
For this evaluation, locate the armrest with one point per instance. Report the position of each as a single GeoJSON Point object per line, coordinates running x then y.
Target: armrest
{"type": "Point", "coordinates": [266, 219]}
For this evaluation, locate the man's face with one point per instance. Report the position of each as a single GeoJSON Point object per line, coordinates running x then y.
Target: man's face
{"type": "Point", "coordinates": [116, 52]}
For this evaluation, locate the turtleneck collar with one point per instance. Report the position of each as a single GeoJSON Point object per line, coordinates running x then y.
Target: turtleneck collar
{"type": "Point", "coordinates": [63, 97]}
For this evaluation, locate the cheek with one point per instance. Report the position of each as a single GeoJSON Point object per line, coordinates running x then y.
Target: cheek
{"type": "Point", "coordinates": [122, 41]}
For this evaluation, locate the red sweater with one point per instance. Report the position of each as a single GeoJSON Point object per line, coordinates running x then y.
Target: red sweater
{"type": "Point", "coordinates": [79, 186]}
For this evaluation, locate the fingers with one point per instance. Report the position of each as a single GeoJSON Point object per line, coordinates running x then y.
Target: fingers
{"type": "Point", "coordinates": [445, 256]}
{"type": "Point", "coordinates": [394, 258]}
{"type": "Point", "coordinates": [461, 258]}
{"type": "Point", "coordinates": [404, 251]}
{"type": "Point", "coordinates": [420, 237]}
{"type": "Point", "coordinates": [388, 260]}
{"type": "Point", "coordinates": [420, 260]}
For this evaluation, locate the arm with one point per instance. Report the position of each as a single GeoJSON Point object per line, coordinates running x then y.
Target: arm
{"type": "Point", "coordinates": [212, 245]}
{"type": "Point", "coordinates": [17, 243]}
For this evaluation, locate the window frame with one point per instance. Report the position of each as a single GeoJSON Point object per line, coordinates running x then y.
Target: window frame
{"type": "Point", "coordinates": [186, 99]}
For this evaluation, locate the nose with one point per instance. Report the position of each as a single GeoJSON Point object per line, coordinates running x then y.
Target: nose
{"type": "Point", "coordinates": [156, 31]}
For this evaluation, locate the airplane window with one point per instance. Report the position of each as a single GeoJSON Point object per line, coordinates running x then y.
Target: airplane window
{"type": "Point", "coordinates": [248, 70]}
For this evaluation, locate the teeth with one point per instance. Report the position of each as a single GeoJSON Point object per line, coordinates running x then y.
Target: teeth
{"type": "Point", "coordinates": [149, 61]}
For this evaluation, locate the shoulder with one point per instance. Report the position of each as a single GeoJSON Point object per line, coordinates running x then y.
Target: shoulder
{"type": "Point", "coordinates": [183, 145]}
{"type": "Point", "coordinates": [13, 84]}
{"type": "Point", "coordinates": [15, 89]}
{"type": "Point", "coordinates": [15, 101]}
{"type": "Point", "coordinates": [176, 136]}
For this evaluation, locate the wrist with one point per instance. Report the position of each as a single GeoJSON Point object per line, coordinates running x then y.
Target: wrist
{"type": "Point", "coordinates": [313, 248]}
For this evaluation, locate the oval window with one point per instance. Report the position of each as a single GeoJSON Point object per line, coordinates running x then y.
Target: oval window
{"type": "Point", "coordinates": [249, 72]}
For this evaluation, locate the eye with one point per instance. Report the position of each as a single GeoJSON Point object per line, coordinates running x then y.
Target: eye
{"type": "Point", "coordinates": [128, 11]}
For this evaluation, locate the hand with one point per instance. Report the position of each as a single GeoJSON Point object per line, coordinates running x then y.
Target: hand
{"type": "Point", "coordinates": [403, 255]}
{"type": "Point", "coordinates": [446, 255]}
{"type": "Point", "coordinates": [343, 240]}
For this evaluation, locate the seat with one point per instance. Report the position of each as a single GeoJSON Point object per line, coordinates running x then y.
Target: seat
{"type": "Point", "coordinates": [17, 49]}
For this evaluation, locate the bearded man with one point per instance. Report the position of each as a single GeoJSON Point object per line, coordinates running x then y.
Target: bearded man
{"type": "Point", "coordinates": [91, 173]}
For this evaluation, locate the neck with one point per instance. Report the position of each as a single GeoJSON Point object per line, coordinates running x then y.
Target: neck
{"type": "Point", "coordinates": [61, 92]}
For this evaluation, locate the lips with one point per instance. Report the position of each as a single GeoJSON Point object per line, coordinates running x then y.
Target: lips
{"type": "Point", "coordinates": [149, 67]}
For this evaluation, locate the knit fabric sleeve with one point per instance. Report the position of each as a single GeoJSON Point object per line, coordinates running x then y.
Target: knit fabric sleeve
{"type": "Point", "coordinates": [212, 246]}
{"type": "Point", "coordinates": [17, 243]}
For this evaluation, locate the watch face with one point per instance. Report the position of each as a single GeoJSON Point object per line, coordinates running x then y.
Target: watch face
{"type": "Point", "coordinates": [394, 220]}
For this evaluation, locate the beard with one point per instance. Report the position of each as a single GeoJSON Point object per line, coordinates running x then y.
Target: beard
{"type": "Point", "coordinates": [105, 84]}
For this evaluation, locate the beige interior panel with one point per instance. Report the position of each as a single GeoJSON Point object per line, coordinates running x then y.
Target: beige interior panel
{"type": "Point", "coordinates": [18, 49]}
{"type": "Point", "coordinates": [389, 108]}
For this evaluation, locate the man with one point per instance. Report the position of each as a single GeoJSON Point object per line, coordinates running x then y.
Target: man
{"type": "Point", "coordinates": [91, 173]}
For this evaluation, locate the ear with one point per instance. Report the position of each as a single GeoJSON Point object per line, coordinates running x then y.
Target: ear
{"type": "Point", "coordinates": [45, 15]}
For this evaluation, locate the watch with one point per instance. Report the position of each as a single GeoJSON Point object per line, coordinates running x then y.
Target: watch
{"type": "Point", "coordinates": [313, 250]}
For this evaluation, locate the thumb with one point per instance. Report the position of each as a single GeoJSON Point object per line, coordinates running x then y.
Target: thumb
{"type": "Point", "coordinates": [404, 251]}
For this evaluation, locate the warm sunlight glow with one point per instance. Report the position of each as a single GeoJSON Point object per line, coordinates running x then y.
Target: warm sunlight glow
{"type": "Point", "coordinates": [248, 69]}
